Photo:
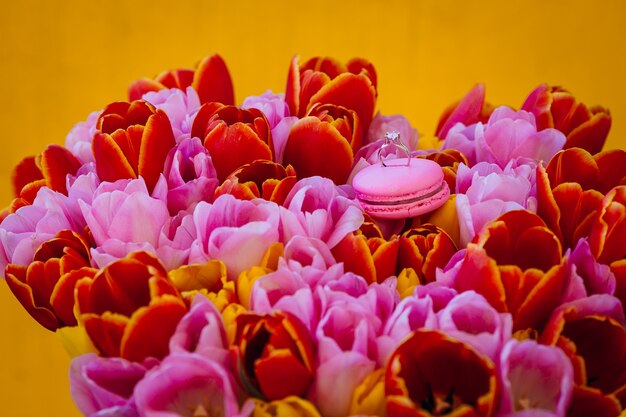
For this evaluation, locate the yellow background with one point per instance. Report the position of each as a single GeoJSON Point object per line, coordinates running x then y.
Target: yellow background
{"type": "Point", "coordinates": [61, 60]}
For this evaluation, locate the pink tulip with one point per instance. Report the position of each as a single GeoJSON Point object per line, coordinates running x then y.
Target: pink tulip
{"type": "Point", "coordinates": [348, 333]}
{"type": "Point", "coordinates": [461, 138]}
{"type": "Point", "coordinates": [486, 191]}
{"type": "Point", "coordinates": [509, 134]}
{"type": "Point", "coordinates": [201, 331]}
{"type": "Point", "coordinates": [272, 105]}
{"type": "Point", "coordinates": [180, 106]}
{"type": "Point", "coordinates": [597, 278]}
{"type": "Point", "coordinates": [83, 187]}
{"type": "Point", "coordinates": [277, 113]}
{"type": "Point", "coordinates": [104, 386]}
{"type": "Point", "coordinates": [317, 208]}
{"type": "Point", "coordinates": [381, 298]}
{"type": "Point", "coordinates": [536, 377]}
{"type": "Point", "coordinates": [598, 305]}
{"type": "Point", "coordinates": [287, 291]}
{"type": "Point", "coordinates": [123, 218]}
{"type": "Point", "coordinates": [412, 313]}
{"type": "Point", "coordinates": [347, 353]}
{"type": "Point", "coordinates": [471, 319]}
{"type": "Point", "coordinates": [396, 123]}
{"type": "Point", "coordinates": [440, 294]}
{"type": "Point", "coordinates": [302, 251]}
{"type": "Point", "coordinates": [190, 175]}
{"type": "Point", "coordinates": [305, 262]}
{"type": "Point", "coordinates": [229, 228]}
{"type": "Point", "coordinates": [280, 135]}
{"type": "Point", "coordinates": [187, 383]}
{"type": "Point", "coordinates": [22, 232]}
{"type": "Point", "coordinates": [175, 239]}
{"type": "Point", "coordinates": [79, 139]}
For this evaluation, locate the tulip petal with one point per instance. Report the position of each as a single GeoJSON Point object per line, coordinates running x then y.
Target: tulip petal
{"type": "Point", "coordinates": [105, 331]}
{"type": "Point", "coordinates": [114, 164]}
{"type": "Point", "coordinates": [547, 207]}
{"type": "Point", "coordinates": [142, 86]}
{"type": "Point", "coordinates": [544, 297]}
{"type": "Point", "coordinates": [619, 269]}
{"type": "Point", "coordinates": [605, 362]}
{"type": "Point", "coordinates": [465, 111]}
{"type": "Point", "coordinates": [612, 165]}
{"type": "Point", "coordinates": [327, 65]}
{"type": "Point", "coordinates": [355, 254]}
{"type": "Point", "coordinates": [156, 142]}
{"type": "Point", "coordinates": [292, 91]}
{"type": "Point", "coordinates": [361, 65]}
{"type": "Point", "coordinates": [25, 173]}
{"type": "Point", "coordinates": [281, 375]}
{"type": "Point", "coordinates": [573, 165]}
{"type": "Point", "coordinates": [361, 99]}
{"type": "Point", "coordinates": [179, 78]}
{"type": "Point", "coordinates": [590, 135]}
{"type": "Point", "coordinates": [336, 380]}
{"type": "Point", "coordinates": [430, 372]}
{"type": "Point", "coordinates": [539, 102]}
{"type": "Point", "coordinates": [588, 401]}
{"type": "Point", "coordinates": [316, 148]}
{"type": "Point", "coordinates": [122, 115]}
{"type": "Point", "coordinates": [385, 256]}
{"type": "Point", "coordinates": [311, 83]}
{"type": "Point", "coordinates": [233, 146]}
{"type": "Point", "coordinates": [480, 273]}
{"type": "Point", "coordinates": [212, 81]}
{"type": "Point", "coordinates": [149, 330]}
{"type": "Point", "coordinates": [62, 298]}
{"type": "Point", "coordinates": [24, 294]}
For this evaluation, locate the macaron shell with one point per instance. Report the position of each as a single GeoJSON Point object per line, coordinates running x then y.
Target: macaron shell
{"type": "Point", "coordinates": [416, 208]}
{"type": "Point", "coordinates": [398, 181]}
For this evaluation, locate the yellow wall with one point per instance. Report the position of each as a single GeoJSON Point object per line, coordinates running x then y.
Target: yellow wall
{"type": "Point", "coordinates": [62, 59]}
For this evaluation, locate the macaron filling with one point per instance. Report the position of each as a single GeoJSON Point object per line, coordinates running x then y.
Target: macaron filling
{"type": "Point", "coordinates": [404, 201]}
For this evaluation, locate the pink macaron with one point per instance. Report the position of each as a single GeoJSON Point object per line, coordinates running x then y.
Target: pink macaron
{"type": "Point", "coordinates": [401, 188]}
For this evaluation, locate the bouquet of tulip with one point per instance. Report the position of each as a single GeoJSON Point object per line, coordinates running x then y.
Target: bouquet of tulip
{"type": "Point", "coordinates": [199, 258]}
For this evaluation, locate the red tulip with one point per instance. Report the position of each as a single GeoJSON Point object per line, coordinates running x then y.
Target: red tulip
{"type": "Point", "coordinates": [596, 346]}
{"type": "Point", "coordinates": [233, 136]}
{"type": "Point", "coordinates": [133, 139]}
{"type": "Point", "coordinates": [45, 288]}
{"type": "Point", "coordinates": [265, 179]}
{"type": "Point", "coordinates": [432, 374]}
{"type": "Point", "coordinates": [470, 109]}
{"type": "Point", "coordinates": [130, 308]}
{"type": "Point", "coordinates": [599, 172]}
{"type": "Point", "coordinates": [608, 231]}
{"type": "Point", "coordinates": [373, 258]}
{"type": "Point", "coordinates": [619, 270]}
{"type": "Point", "coordinates": [423, 248]}
{"type": "Point", "coordinates": [210, 79]}
{"type": "Point", "coordinates": [517, 266]}
{"type": "Point", "coordinates": [49, 169]}
{"type": "Point", "coordinates": [274, 355]}
{"type": "Point", "coordinates": [324, 143]}
{"type": "Point", "coordinates": [571, 201]}
{"type": "Point", "coordinates": [326, 81]}
{"type": "Point", "coordinates": [556, 107]}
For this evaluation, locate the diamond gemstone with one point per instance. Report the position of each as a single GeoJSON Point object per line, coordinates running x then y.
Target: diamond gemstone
{"type": "Point", "coordinates": [392, 136]}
